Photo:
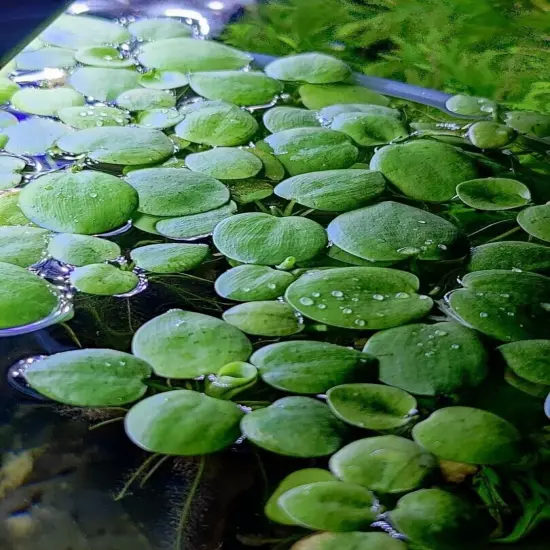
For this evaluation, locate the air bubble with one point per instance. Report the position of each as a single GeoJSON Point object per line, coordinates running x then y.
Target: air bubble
{"type": "Point", "coordinates": [322, 306]}
{"type": "Point", "coordinates": [360, 322]}
{"type": "Point", "coordinates": [378, 297]}
{"type": "Point", "coordinates": [510, 314]}
{"type": "Point", "coordinates": [316, 294]}
{"type": "Point", "coordinates": [421, 221]}
{"type": "Point", "coordinates": [484, 314]}
{"type": "Point", "coordinates": [516, 270]}
{"type": "Point", "coordinates": [440, 333]}
{"type": "Point", "coordinates": [347, 310]}
{"type": "Point", "coordinates": [429, 353]}
{"type": "Point", "coordinates": [455, 346]}
{"type": "Point", "coordinates": [273, 286]}
{"type": "Point", "coordinates": [408, 250]}
{"type": "Point", "coordinates": [402, 295]}
{"type": "Point", "coordinates": [505, 295]}
{"type": "Point", "coordinates": [337, 293]}
{"type": "Point", "coordinates": [306, 301]}
{"type": "Point", "coordinates": [442, 247]}
{"type": "Point", "coordinates": [423, 297]}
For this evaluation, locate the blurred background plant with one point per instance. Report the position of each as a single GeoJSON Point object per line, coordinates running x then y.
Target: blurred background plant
{"type": "Point", "coordinates": [492, 48]}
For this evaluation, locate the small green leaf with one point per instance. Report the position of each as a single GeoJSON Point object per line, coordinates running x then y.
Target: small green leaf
{"type": "Point", "coordinates": [7, 119]}
{"type": "Point", "coordinates": [183, 423]}
{"type": "Point", "coordinates": [50, 58]}
{"type": "Point", "coordinates": [510, 255]}
{"type": "Point", "coordinates": [34, 136]}
{"type": "Point", "coordinates": [39, 101]}
{"type": "Point", "coordinates": [225, 163]}
{"type": "Point", "coordinates": [264, 318]}
{"type": "Point", "coordinates": [369, 129]}
{"type": "Point", "coordinates": [259, 238]}
{"type": "Point", "coordinates": [466, 434]}
{"type": "Point", "coordinates": [10, 168]}
{"type": "Point", "coordinates": [327, 114]}
{"type": "Point", "coordinates": [315, 68]}
{"type": "Point", "coordinates": [490, 135]}
{"type": "Point", "coordinates": [533, 124]}
{"type": "Point", "coordinates": [317, 96]}
{"type": "Point", "coordinates": [90, 377]}
{"type": "Point", "coordinates": [250, 190]}
{"type": "Point", "coordinates": [163, 80]}
{"type": "Point", "coordinates": [80, 250]}
{"type": "Point", "coordinates": [183, 344]}
{"type": "Point", "coordinates": [103, 56]}
{"type": "Point", "coordinates": [278, 119]}
{"type": "Point", "coordinates": [349, 541]}
{"type": "Point", "coordinates": [529, 359]}
{"type": "Point", "coordinates": [372, 406]}
{"type": "Point", "coordinates": [330, 506]}
{"type": "Point", "coordinates": [384, 464]}
{"type": "Point", "coordinates": [493, 193]}
{"type": "Point", "coordinates": [361, 298]}
{"type": "Point", "coordinates": [295, 426]}
{"type": "Point", "coordinates": [231, 380]}
{"type": "Point", "coordinates": [10, 213]}
{"type": "Point", "coordinates": [470, 106]}
{"type": "Point", "coordinates": [310, 367]}
{"type": "Point", "coordinates": [103, 84]}
{"type": "Point", "coordinates": [141, 99]}
{"type": "Point", "coordinates": [535, 220]}
{"type": "Point", "coordinates": [7, 89]}
{"type": "Point", "coordinates": [103, 280]}
{"type": "Point", "coordinates": [91, 116]}
{"type": "Point", "coordinates": [249, 283]}
{"type": "Point", "coordinates": [169, 257]}
{"type": "Point", "coordinates": [158, 118]}
{"type": "Point", "coordinates": [22, 245]}
{"type": "Point", "coordinates": [148, 30]}
{"type": "Point", "coordinates": [273, 169]}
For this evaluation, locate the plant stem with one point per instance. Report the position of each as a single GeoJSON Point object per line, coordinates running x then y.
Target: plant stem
{"type": "Point", "coordinates": [288, 208]}
{"type": "Point", "coordinates": [156, 385]}
{"type": "Point", "coordinates": [187, 504]}
{"type": "Point", "coordinates": [72, 334]}
{"type": "Point", "coordinates": [504, 235]}
{"type": "Point", "coordinates": [153, 470]}
{"type": "Point", "coordinates": [105, 423]}
{"type": "Point", "coordinates": [489, 227]}
{"type": "Point", "coordinates": [135, 476]}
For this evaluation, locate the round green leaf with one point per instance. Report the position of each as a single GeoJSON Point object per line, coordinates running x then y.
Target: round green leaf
{"type": "Point", "coordinates": [91, 116]}
{"type": "Point", "coordinates": [163, 80]}
{"type": "Point", "coordinates": [535, 220]}
{"type": "Point", "coordinates": [333, 190]}
{"type": "Point", "coordinates": [510, 255]}
{"type": "Point", "coordinates": [90, 377]}
{"type": "Point", "coordinates": [10, 213]}
{"type": "Point", "coordinates": [534, 124]}
{"type": "Point", "coordinates": [183, 423]}
{"type": "Point", "coordinates": [317, 96]}
{"type": "Point", "coordinates": [10, 168]}
{"type": "Point", "coordinates": [231, 380]}
{"type": "Point", "coordinates": [309, 367]}
{"type": "Point", "coordinates": [250, 190]}
{"type": "Point", "coordinates": [432, 518]}
{"type": "Point", "coordinates": [330, 506]}
{"type": "Point", "coordinates": [148, 30]}
{"type": "Point", "coordinates": [372, 406]}
{"type": "Point", "coordinates": [50, 58]}
{"type": "Point", "coordinates": [169, 257]}
{"type": "Point", "coordinates": [183, 344]}
{"type": "Point", "coordinates": [79, 31]}
{"type": "Point", "coordinates": [196, 225]}
{"type": "Point", "coordinates": [103, 84]}
{"type": "Point", "coordinates": [265, 318]}
{"type": "Point", "coordinates": [424, 170]}
{"type": "Point", "coordinates": [304, 150]}
{"type": "Point", "coordinates": [238, 87]}
{"type": "Point", "coordinates": [225, 163]}
{"type": "Point", "coordinates": [490, 135]}
{"type": "Point", "coordinates": [82, 250]}
{"type": "Point", "coordinates": [216, 123]}
{"type": "Point", "coordinates": [24, 297]}
{"type": "Point", "coordinates": [176, 191]}
{"type": "Point", "coordinates": [315, 68]}
{"type": "Point", "coordinates": [439, 359]}
{"type": "Point", "coordinates": [147, 223]}
{"type": "Point", "coordinates": [259, 238]}
{"type": "Point", "coordinates": [465, 434]}
{"type": "Point", "coordinates": [529, 359]}
{"type": "Point", "coordinates": [369, 129]}
{"type": "Point", "coordinates": [7, 89]}
{"type": "Point", "coordinates": [493, 193]}
{"type": "Point", "coordinates": [391, 231]}
{"type": "Point", "coordinates": [295, 426]}
{"type": "Point", "coordinates": [506, 305]}
{"type": "Point", "coordinates": [327, 114]}
{"type": "Point", "coordinates": [103, 56]}
{"type": "Point", "coordinates": [278, 119]}
{"type": "Point", "coordinates": [103, 280]}
{"type": "Point", "coordinates": [141, 99]}
{"type": "Point", "coordinates": [41, 101]}
{"type": "Point", "coordinates": [296, 479]}
{"type": "Point", "coordinates": [470, 106]}
{"type": "Point", "coordinates": [7, 119]}
{"type": "Point", "coordinates": [34, 136]}
{"type": "Point", "coordinates": [362, 298]}
{"type": "Point", "coordinates": [349, 541]}
{"type": "Point", "coordinates": [250, 283]}
{"type": "Point", "coordinates": [539, 391]}
{"type": "Point", "coordinates": [384, 464]}
{"type": "Point", "coordinates": [84, 202]}
{"type": "Point", "coordinates": [189, 55]}
{"type": "Point", "coordinates": [114, 145]}
{"type": "Point", "coordinates": [158, 118]}
{"type": "Point", "coordinates": [22, 245]}
{"type": "Point", "coordinates": [273, 169]}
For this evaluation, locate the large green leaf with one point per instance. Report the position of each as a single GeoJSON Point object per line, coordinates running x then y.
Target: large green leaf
{"type": "Point", "coordinates": [302, 150]}
{"type": "Point", "coordinates": [34, 136]}
{"type": "Point", "coordinates": [259, 238]}
{"type": "Point", "coordinates": [315, 68]}
{"type": "Point", "coordinates": [7, 89]}
{"type": "Point", "coordinates": [91, 116]}
{"type": "Point", "coordinates": [22, 245]}
{"type": "Point", "coordinates": [10, 213]}
{"type": "Point", "coordinates": [391, 231]}
{"type": "Point", "coordinates": [169, 257]}
{"type": "Point", "coordinates": [103, 56]}
{"type": "Point", "coordinates": [470, 106]}
{"type": "Point", "coordinates": [158, 29]}
{"type": "Point", "coordinates": [317, 96]}
{"type": "Point", "coordinates": [359, 297]}
{"type": "Point", "coordinates": [10, 171]}
{"type": "Point", "coordinates": [113, 145]}
{"type": "Point", "coordinates": [439, 359]}
{"type": "Point", "coordinates": [424, 170]}
{"type": "Point", "coordinates": [24, 297]}
{"type": "Point", "coordinates": [103, 280]}
{"type": "Point", "coordinates": [432, 518]}
{"type": "Point", "coordinates": [90, 377]}
{"type": "Point", "coordinates": [372, 406]}
{"type": "Point", "coordinates": [296, 479]}
{"type": "Point", "coordinates": [163, 80]}
{"type": "Point", "coordinates": [45, 58]}
{"type": "Point", "coordinates": [329, 113]}
{"type": "Point", "coordinates": [507, 305]}
{"type": "Point", "coordinates": [383, 464]}
{"type": "Point", "coordinates": [529, 359]}
{"type": "Point", "coordinates": [189, 55]}
{"type": "Point", "coordinates": [225, 163]}
{"type": "Point", "coordinates": [184, 344]}
{"type": "Point", "coordinates": [466, 434]}
{"type": "Point", "coordinates": [509, 255]}
{"type": "Point", "coordinates": [103, 84]}
{"type": "Point", "coordinates": [370, 129]}
{"type": "Point", "coordinates": [250, 190]}
{"type": "Point", "coordinates": [493, 193]}
{"type": "Point", "coordinates": [158, 118]}
{"type": "Point", "coordinates": [330, 506]}
{"type": "Point", "coordinates": [176, 191]}
{"type": "Point", "coordinates": [349, 541]}
{"type": "Point", "coordinates": [490, 135]}
{"type": "Point", "coordinates": [85, 202]}
{"type": "Point", "coordinates": [333, 190]}
{"type": "Point", "coordinates": [216, 123]}
{"type": "Point", "coordinates": [183, 423]}
{"type": "Point", "coordinates": [534, 124]}
{"type": "Point", "coordinates": [278, 119]}
{"type": "Point", "coordinates": [249, 283]}
{"type": "Point", "coordinates": [265, 318]}
{"type": "Point", "coordinates": [310, 367]}
{"type": "Point", "coordinates": [82, 250]}
{"type": "Point", "coordinates": [536, 221]}
{"type": "Point", "coordinates": [238, 87]}
{"type": "Point", "coordinates": [295, 426]}
{"type": "Point", "coordinates": [141, 99]}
